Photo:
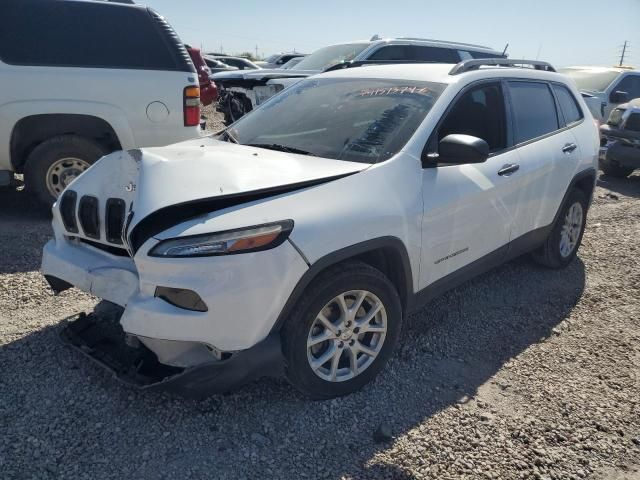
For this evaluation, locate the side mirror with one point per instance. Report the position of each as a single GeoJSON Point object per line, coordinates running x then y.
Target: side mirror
{"type": "Point", "coordinates": [458, 149]}
{"type": "Point", "coordinates": [619, 97]}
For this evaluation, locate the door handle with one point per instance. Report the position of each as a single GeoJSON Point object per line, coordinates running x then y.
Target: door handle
{"type": "Point", "coordinates": [508, 169]}
{"type": "Point", "coordinates": [569, 147]}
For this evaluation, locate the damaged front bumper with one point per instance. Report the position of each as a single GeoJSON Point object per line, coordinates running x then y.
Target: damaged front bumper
{"type": "Point", "coordinates": [104, 342]}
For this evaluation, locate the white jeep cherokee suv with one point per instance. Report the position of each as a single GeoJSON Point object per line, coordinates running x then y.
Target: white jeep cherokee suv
{"type": "Point", "coordinates": [80, 79]}
{"type": "Point", "coordinates": [304, 234]}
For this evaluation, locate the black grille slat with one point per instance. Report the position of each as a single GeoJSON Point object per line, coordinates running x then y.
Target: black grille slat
{"type": "Point", "coordinates": [68, 211]}
{"type": "Point", "coordinates": [89, 217]}
{"type": "Point", "coordinates": [114, 219]}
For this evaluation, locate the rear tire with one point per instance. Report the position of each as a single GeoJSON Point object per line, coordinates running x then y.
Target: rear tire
{"type": "Point", "coordinates": [355, 348]}
{"type": "Point", "coordinates": [561, 246]}
{"type": "Point", "coordinates": [56, 162]}
{"type": "Point", "coordinates": [614, 169]}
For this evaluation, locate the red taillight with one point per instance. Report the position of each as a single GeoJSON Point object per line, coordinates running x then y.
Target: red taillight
{"type": "Point", "coordinates": [191, 106]}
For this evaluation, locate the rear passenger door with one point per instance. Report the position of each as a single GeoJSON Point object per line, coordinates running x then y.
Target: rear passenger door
{"type": "Point", "coordinates": [548, 153]}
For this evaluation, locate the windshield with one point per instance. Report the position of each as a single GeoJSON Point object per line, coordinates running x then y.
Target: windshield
{"type": "Point", "coordinates": [272, 58]}
{"type": "Point", "coordinates": [590, 80]}
{"type": "Point", "coordinates": [328, 56]}
{"type": "Point", "coordinates": [359, 120]}
{"type": "Point", "coordinates": [292, 63]}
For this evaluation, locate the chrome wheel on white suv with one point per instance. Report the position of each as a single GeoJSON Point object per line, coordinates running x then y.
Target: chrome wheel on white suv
{"type": "Point", "coordinates": [562, 244]}
{"type": "Point", "coordinates": [342, 331]}
{"type": "Point", "coordinates": [571, 230]}
{"type": "Point", "coordinates": [347, 335]}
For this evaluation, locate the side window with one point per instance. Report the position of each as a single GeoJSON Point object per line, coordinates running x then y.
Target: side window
{"type": "Point", "coordinates": [416, 53]}
{"type": "Point", "coordinates": [79, 34]}
{"type": "Point", "coordinates": [391, 52]}
{"type": "Point", "coordinates": [568, 105]}
{"type": "Point", "coordinates": [534, 110]}
{"type": "Point", "coordinates": [479, 112]}
{"type": "Point", "coordinates": [432, 54]}
{"type": "Point", "coordinates": [629, 84]}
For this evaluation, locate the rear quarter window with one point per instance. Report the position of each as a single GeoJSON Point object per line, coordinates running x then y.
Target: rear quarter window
{"type": "Point", "coordinates": [534, 110]}
{"type": "Point", "coordinates": [568, 105]}
{"type": "Point", "coordinates": [79, 34]}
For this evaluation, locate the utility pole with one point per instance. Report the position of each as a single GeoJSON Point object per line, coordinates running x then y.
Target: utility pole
{"type": "Point", "coordinates": [256, 51]}
{"type": "Point", "coordinates": [624, 50]}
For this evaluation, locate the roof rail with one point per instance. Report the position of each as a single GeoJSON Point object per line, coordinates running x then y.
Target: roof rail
{"type": "Point", "coordinates": [469, 65]}
{"type": "Point", "coordinates": [444, 41]}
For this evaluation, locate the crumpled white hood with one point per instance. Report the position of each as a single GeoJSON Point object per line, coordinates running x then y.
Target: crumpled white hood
{"type": "Point", "coordinates": [151, 179]}
{"type": "Point", "coordinates": [204, 168]}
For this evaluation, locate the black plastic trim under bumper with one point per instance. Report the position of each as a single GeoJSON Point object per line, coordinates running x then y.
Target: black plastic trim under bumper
{"type": "Point", "coordinates": [139, 367]}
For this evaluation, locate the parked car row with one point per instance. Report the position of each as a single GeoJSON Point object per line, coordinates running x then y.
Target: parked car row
{"type": "Point", "coordinates": [241, 92]}
{"type": "Point", "coordinates": [278, 60]}
{"type": "Point", "coordinates": [239, 63]}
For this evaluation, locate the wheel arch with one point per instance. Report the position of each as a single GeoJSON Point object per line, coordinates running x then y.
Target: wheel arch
{"type": "Point", "coordinates": [585, 181]}
{"type": "Point", "coordinates": [32, 130]}
{"type": "Point", "coordinates": [387, 254]}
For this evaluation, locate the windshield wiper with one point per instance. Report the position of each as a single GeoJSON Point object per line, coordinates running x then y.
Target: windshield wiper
{"type": "Point", "coordinates": [281, 148]}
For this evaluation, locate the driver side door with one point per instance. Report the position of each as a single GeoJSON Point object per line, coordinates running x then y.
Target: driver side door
{"type": "Point", "coordinates": [467, 208]}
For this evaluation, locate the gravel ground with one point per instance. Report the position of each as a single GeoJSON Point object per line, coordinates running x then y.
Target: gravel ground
{"type": "Point", "coordinates": [521, 373]}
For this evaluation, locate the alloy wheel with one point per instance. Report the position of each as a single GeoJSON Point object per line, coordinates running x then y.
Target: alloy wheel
{"type": "Point", "coordinates": [571, 229]}
{"type": "Point", "coordinates": [347, 335]}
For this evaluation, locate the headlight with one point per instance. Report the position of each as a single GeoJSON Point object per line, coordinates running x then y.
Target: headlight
{"type": "Point", "coordinates": [250, 239]}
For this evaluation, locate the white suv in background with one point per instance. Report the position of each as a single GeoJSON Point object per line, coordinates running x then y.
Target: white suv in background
{"type": "Point", "coordinates": [303, 234]}
{"type": "Point", "coordinates": [81, 79]}
{"type": "Point", "coordinates": [604, 88]}
{"type": "Point", "coordinates": [240, 92]}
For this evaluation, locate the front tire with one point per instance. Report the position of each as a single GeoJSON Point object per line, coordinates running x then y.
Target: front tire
{"type": "Point", "coordinates": [56, 162]}
{"type": "Point", "coordinates": [342, 331]}
{"type": "Point", "coordinates": [561, 246]}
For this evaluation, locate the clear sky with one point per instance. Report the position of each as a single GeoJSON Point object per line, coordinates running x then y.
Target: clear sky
{"type": "Point", "coordinates": [563, 32]}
